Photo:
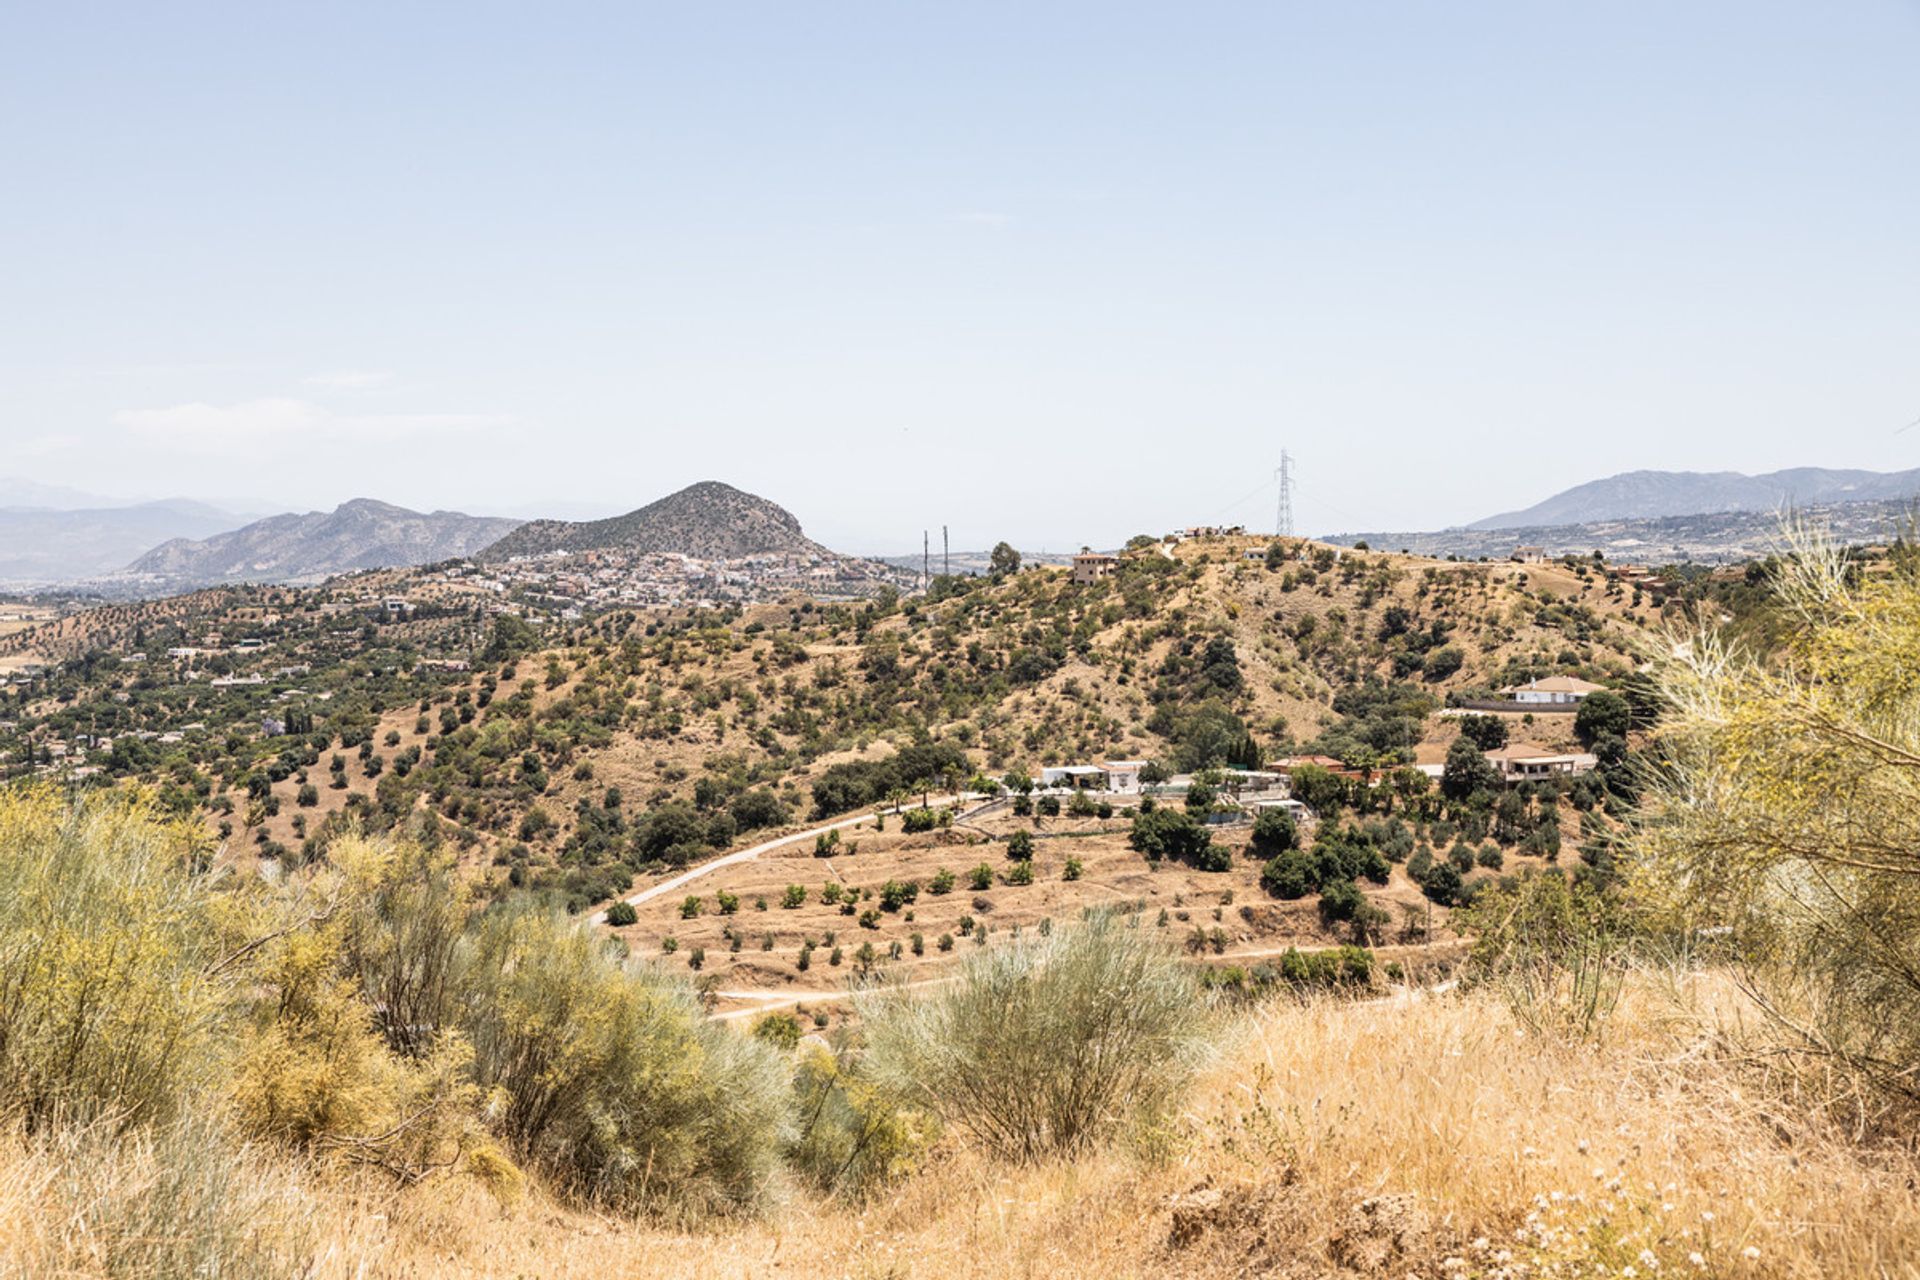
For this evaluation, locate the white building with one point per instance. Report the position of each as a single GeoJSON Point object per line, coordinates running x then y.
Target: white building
{"type": "Point", "coordinates": [1526, 762]}
{"type": "Point", "coordinates": [1289, 806]}
{"type": "Point", "coordinates": [1553, 691]}
{"type": "Point", "coordinates": [1085, 776]}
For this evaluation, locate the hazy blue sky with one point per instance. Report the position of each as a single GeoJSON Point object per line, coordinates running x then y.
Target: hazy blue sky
{"type": "Point", "coordinates": [1053, 272]}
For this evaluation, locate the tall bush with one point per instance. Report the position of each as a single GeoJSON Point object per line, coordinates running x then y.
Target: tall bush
{"type": "Point", "coordinates": [1046, 1046]}
{"type": "Point", "coordinates": [113, 994]}
{"type": "Point", "coordinates": [612, 1079]}
{"type": "Point", "coordinates": [1786, 812]}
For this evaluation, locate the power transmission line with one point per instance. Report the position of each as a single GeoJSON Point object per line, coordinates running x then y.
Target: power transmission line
{"type": "Point", "coordinates": [1283, 515]}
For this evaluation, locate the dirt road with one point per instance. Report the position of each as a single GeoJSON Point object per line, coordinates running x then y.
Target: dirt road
{"type": "Point", "coordinates": [748, 855]}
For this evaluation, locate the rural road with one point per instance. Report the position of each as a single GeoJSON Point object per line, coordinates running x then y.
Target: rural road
{"type": "Point", "coordinates": [748, 855]}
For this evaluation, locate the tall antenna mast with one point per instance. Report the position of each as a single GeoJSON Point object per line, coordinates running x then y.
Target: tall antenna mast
{"type": "Point", "coordinates": [1283, 518]}
{"type": "Point", "coordinates": [925, 555]}
{"type": "Point", "coordinates": [946, 555]}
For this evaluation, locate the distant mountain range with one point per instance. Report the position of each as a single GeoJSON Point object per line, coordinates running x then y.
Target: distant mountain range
{"type": "Point", "coordinates": [1664, 516]}
{"type": "Point", "coordinates": [42, 545]}
{"type": "Point", "coordinates": [1711, 537]}
{"type": "Point", "coordinates": [1653, 495]}
{"type": "Point", "coordinates": [709, 521]}
{"type": "Point", "coordinates": [362, 534]}
{"type": "Point", "coordinates": [15, 492]}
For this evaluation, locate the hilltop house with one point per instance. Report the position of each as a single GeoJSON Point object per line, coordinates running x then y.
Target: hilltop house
{"type": "Point", "coordinates": [1091, 566]}
{"type": "Point", "coordinates": [1553, 691]}
{"type": "Point", "coordinates": [1198, 531]}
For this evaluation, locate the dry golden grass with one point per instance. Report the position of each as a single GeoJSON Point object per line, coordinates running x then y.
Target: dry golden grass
{"type": "Point", "coordinates": [1484, 1152]}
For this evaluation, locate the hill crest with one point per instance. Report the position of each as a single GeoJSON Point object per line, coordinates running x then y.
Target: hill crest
{"type": "Point", "coordinates": [710, 520]}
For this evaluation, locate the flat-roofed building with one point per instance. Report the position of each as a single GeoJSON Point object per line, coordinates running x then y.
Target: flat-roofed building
{"type": "Point", "coordinates": [1091, 566]}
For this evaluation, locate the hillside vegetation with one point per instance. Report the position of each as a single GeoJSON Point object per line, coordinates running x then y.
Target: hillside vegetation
{"type": "Point", "coordinates": [1692, 1057]}
{"type": "Point", "coordinates": [578, 763]}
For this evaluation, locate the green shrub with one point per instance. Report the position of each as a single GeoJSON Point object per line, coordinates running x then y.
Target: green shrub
{"type": "Point", "coordinates": [1443, 884]}
{"type": "Point", "coordinates": [1340, 900]}
{"type": "Point", "coordinates": [621, 914]}
{"type": "Point", "coordinates": [113, 991]}
{"type": "Point", "coordinates": [1342, 966]}
{"type": "Point", "coordinates": [612, 1078]}
{"type": "Point", "coordinates": [1274, 833]}
{"type": "Point", "coordinates": [981, 877]}
{"type": "Point", "coordinates": [914, 821]}
{"type": "Point", "coordinates": [1046, 1046]}
{"type": "Point", "coordinates": [1290, 875]}
{"type": "Point", "coordinates": [1020, 845]}
{"type": "Point", "coordinates": [853, 1137]}
{"type": "Point", "coordinates": [1168, 833]}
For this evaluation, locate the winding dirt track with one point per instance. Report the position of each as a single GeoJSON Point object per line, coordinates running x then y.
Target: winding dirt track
{"type": "Point", "coordinates": [749, 854]}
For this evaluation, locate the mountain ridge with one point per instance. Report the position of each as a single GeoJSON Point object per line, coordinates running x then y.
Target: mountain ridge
{"type": "Point", "coordinates": [361, 533]}
{"type": "Point", "coordinates": [1655, 495]}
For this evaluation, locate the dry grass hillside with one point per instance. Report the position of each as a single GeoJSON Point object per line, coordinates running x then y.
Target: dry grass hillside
{"type": "Point", "coordinates": [1430, 1137]}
